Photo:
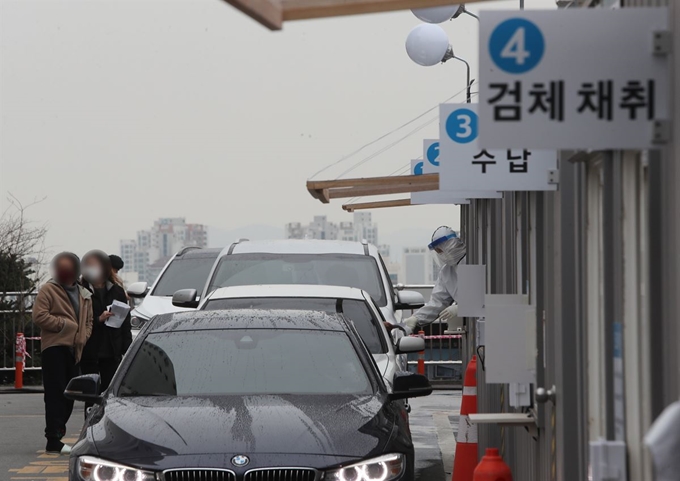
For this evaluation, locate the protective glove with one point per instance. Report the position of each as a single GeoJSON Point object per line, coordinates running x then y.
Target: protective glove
{"type": "Point", "coordinates": [411, 323]}
{"type": "Point", "coordinates": [449, 313]}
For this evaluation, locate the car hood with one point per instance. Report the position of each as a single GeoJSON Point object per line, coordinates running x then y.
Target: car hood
{"type": "Point", "coordinates": [153, 305]}
{"type": "Point", "coordinates": [157, 427]}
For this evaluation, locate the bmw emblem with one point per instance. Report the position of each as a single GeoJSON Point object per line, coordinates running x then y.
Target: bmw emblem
{"type": "Point", "coordinates": [240, 460]}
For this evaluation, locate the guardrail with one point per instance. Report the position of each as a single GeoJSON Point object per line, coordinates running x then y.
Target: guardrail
{"type": "Point", "coordinates": [443, 354]}
{"type": "Point", "coordinates": [443, 361]}
{"type": "Point", "coordinates": [15, 316]}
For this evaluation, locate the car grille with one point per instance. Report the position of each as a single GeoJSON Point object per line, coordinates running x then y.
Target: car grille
{"type": "Point", "coordinates": [199, 475]}
{"type": "Point", "coordinates": [281, 474]}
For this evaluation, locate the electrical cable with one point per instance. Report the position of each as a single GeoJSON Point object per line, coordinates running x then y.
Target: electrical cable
{"type": "Point", "coordinates": [386, 148]}
{"type": "Point", "coordinates": [351, 154]}
{"type": "Point", "coordinates": [480, 356]}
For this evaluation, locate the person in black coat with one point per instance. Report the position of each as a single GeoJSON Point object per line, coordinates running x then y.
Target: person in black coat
{"type": "Point", "coordinates": [107, 345]}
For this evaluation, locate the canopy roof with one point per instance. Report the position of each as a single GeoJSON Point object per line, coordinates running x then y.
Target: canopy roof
{"type": "Point", "coordinates": [272, 13]}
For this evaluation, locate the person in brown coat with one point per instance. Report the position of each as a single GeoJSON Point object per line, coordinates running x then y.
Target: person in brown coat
{"type": "Point", "coordinates": [63, 312]}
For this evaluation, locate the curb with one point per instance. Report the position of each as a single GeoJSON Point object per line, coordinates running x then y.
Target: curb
{"type": "Point", "coordinates": [29, 390]}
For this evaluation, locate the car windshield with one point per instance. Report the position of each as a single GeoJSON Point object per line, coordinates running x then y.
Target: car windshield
{"type": "Point", "coordinates": [358, 271]}
{"type": "Point", "coordinates": [190, 273]}
{"type": "Point", "coordinates": [355, 310]}
{"type": "Point", "coordinates": [245, 361]}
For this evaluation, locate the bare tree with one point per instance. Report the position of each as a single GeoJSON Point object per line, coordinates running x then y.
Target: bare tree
{"type": "Point", "coordinates": [22, 256]}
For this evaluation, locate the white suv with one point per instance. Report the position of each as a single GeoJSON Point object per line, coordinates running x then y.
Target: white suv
{"type": "Point", "coordinates": [356, 305]}
{"type": "Point", "coordinates": [188, 269]}
{"type": "Point", "coordinates": [312, 262]}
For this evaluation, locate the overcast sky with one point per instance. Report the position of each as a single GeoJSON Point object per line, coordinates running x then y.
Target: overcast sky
{"type": "Point", "coordinates": [119, 112]}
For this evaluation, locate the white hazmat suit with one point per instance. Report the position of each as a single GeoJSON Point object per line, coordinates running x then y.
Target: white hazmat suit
{"type": "Point", "coordinates": [450, 252]}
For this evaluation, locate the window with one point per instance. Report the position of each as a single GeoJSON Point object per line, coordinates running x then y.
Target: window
{"type": "Point", "coordinates": [191, 273]}
{"type": "Point", "coordinates": [355, 310]}
{"type": "Point", "coordinates": [358, 271]}
{"type": "Point", "coordinates": [245, 361]}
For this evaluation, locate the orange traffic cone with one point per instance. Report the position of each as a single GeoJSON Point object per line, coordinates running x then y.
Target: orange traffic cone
{"type": "Point", "coordinates": [492, 468]}
{"type": "Point", "coordinates": [466, 444]}
{"type": "Point", "coordinates": [421, 357]}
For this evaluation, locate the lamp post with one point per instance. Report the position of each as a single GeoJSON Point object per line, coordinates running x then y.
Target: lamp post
{"type": "Point", "coordinates": [442, 14]}
{"type": "Point", "coordinates": [428, 45]}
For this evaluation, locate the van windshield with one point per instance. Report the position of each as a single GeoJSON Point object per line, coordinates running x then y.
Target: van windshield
{"type": "Point", "coordinates": [346, 270]}
{"type": "Point", "coordinates": [355, 310]}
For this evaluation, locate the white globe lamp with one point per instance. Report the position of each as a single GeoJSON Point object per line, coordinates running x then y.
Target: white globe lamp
{"type": "Point", "coordinates": [436, 14]}
{"type": "Point", "coordinates": [428, 45]}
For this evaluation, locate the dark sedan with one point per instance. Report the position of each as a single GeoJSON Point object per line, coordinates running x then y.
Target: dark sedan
{"type": "Point", "coordinates": [248, 395]}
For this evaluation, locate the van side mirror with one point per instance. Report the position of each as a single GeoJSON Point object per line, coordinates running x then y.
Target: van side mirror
{"type": "Point", "coordinates": [410, 385]}
{"type": "Point", "coordinates": [138, 289]}
{"type": "Point", "coordinates": [84, 388]}
{"type": "Point", "coordinates": [408, 344]}
{"type": "Point", "coordinates": [187, 298]}
{"type": "Point", "coordinates": [409, 300]}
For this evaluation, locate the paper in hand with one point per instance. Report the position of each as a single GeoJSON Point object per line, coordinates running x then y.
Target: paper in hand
{"type": "Point", "coordinates": [120, 311]}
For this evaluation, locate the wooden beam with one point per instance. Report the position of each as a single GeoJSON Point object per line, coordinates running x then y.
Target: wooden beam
{"type": "Point", "coordinates": [320, 194]}
{"type": "Point", "coordinates": [361, 191]}
{"type": "Point", "coordinates": [380, 204]}
{"type": "Point", "coordinates": [325, 190]}
{"type": "Point", "coordinates": [305, 9]}
{"type": "Point", "coordinates": [267, 12]}
{"type": "Point", "coordinates": [372, 181]}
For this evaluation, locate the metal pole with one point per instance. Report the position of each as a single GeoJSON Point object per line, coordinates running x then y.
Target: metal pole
{"type": "Point", "coordinates": [467, 66]}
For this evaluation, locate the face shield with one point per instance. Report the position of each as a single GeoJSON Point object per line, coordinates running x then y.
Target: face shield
{"type": "Point", "coordinates": [447, 250]}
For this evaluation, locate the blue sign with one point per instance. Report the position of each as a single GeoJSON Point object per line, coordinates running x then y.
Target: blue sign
{"type": "Point", "coordinates": [418, 169]}
{"type": "Point", "coordinates": [432, 154]}
{"type": "Point", "coordinates": [516, 45]}
{"type": "Point", "coordinates": [461, 126]}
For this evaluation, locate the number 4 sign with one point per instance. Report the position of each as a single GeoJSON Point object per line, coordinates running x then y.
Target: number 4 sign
{"type": "Point", "coordinates": [546, 87]}
{"type": "Point", "coordinates": [465, 165]}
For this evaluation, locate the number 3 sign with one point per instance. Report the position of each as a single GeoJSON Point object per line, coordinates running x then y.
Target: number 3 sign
{"type": "Point", "coordinates": [461, 126]}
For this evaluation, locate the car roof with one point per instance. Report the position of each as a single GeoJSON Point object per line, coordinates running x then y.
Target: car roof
{"type": "Point", "coordinates": [300, 246]}
{"type": "Point", "coordinates": [198, 253]}
{"type": "Point", "coordinates": [288, 290]}
{"type": "Point", "coordinates": [248, 319]}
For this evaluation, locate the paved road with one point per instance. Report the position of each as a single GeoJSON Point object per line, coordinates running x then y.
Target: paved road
{"type": "Point", "coordinates": [22, 444]}
{"type": "Point", "coordinates": [22, 441]}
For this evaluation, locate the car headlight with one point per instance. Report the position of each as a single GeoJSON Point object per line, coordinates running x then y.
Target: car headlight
{"type": "Point", "coordinates": [138, 321]}
{"type": "Point", "coordinates": [94, 469]}
{"type": "Point", "coordinates": [383, 468]}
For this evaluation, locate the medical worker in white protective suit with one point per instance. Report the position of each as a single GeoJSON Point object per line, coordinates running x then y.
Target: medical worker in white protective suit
{"type": "Point", "coordinates": [449, 251]}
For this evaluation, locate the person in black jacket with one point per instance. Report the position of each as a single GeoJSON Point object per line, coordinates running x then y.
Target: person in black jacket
{"type": "Point", "coordinates": [107, 345]}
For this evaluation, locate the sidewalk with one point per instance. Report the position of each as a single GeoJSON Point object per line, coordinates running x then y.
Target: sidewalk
{"type": "Point", "coordinates": [434, 425]}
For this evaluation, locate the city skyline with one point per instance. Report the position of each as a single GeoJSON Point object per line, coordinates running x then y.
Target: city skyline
{"type": "Point", "coordinates": [146, 255]}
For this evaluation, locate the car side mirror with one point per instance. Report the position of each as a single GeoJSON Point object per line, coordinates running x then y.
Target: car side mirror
{"type": "Point", "coordinates": [410, 385]}
{"type": "Point", "coordinates": [185, 298]}
{"type": "Point", "coordinates": [84, 388]}
{"type": "Point", "coordinates": [138, 289]}
{"type": "Point", "coordinates": [409, 344]}
{"type": "Point", "coordinates": [409, 300]}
